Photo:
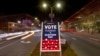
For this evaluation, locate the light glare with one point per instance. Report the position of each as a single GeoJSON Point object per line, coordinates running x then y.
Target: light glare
{"type": "Point", "coordinates": [44, 5]}
{"type": "Point", "coordinates": [58, 5]}
{"type": "Point", "coordinates": [36, 18]}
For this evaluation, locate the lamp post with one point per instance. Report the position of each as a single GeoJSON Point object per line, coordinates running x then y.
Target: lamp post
{"type": "Point", "coordinates": [51, 14]}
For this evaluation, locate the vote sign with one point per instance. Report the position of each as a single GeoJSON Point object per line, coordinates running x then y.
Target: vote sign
{"type": "Point", "coordinates": [50, 37]}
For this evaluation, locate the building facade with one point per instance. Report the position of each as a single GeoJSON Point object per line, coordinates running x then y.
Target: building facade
{"type": "Point", "coordinates": [18, 22]}
{"type": "Point", "coordinates": [86, 19]}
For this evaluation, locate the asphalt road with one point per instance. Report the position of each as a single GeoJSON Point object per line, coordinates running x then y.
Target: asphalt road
{"type": "Point", "coordinates": [18, 47]}
{"type": "Point", "coordinates": [83, 45]}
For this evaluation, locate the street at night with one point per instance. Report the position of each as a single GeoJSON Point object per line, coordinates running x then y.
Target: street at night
{"type": "Point", "coordinates": [50, 28]}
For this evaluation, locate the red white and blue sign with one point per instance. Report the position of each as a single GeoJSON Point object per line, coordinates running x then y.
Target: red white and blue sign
{"type": "Point", "coordinates": [50, 40]}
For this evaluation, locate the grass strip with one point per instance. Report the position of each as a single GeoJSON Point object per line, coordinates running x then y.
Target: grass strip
{"type": "Point", "coordinates": [66, 51]}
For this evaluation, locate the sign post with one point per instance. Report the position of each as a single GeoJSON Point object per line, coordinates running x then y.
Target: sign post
{"type": "Point", "coordinates": [50, 39]}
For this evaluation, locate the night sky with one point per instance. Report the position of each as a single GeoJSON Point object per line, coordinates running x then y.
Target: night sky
{"type": "Point", "coordinates": [32, 7]}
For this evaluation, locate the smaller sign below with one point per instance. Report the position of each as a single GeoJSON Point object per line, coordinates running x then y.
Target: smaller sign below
{"type": "Point", "coordinates": [63, 41]}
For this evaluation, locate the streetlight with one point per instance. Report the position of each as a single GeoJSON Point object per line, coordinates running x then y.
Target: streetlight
{"type": "Point", "coordinates": [36, 18]}
{"type": "Point", "coordinates": [32, 24]}
{"type": "Point", "coordinates": [44, 5]}
{"type": "Point", "coordinates": [58, 5]}
{"type": "Point", "coordinates": [19, 21]}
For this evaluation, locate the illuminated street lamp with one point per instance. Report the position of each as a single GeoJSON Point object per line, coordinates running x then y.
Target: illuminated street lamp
{"type": "Point", "coordinates": [36, 18]}
{"type": "Point", "coordinates": [32, 24]}
{"type": "Point", "coordinates": [44, 5]}
{"type": "Point", "coordinates": [18, 21]}
{"type": "Point", "coordinates": [58, 5]}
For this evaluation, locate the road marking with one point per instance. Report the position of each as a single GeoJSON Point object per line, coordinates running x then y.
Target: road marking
{"type": "Point", "coordinates": [94, 39]}
{"type": "Point", "coordinates": [74, 38]}
{"type": "Point", "coordinates": [26, 42]}
{"type": "Point", "coordinates": [8, 44]}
